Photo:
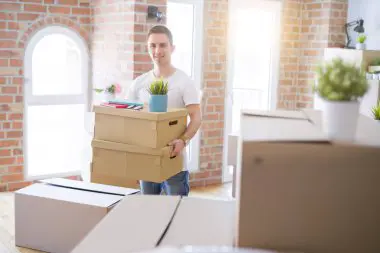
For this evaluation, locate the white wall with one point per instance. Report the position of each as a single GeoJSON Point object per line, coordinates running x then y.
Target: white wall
{"type": "Point", "coordinates": [369, 11]}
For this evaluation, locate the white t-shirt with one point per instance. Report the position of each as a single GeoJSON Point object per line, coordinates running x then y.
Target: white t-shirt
{"type": "Point", "coordinates": [182, 92]}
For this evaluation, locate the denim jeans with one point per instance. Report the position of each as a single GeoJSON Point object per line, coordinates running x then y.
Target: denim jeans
{"type": "Point", "coordinates": [176, 185]}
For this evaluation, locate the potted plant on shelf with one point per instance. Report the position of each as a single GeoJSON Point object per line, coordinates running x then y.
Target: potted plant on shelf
{"type": "Point", "coordinates": [374, 69]}
{"type": "Point", "coordinates": [360, 45]}
{"type": "Point", "coordinates": [376, 112]}
{"type": "Point", "coordinates": [158, 91]}
{"type": "Point", "coordinates": [110, 91]}
{"type": "Point", "coordinates": [340, 85]}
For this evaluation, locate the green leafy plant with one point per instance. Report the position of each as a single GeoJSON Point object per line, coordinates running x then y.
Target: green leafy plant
{"type": "Point", "coordinates": [113, 89]}
{"type": "Point", "coordinates": [361, 38]}
{"type": "Point", "coordinates": [376, 111]}
{"type": "Point", "coordinates": [375, 62]}
{"type": "Point", "coordinates": [158, 87]}
{"type": "Point", "coordinates": [340, 81]}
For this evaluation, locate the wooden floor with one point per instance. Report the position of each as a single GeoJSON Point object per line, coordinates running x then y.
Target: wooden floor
{"type": "Point", "coordinates": [7, 244]}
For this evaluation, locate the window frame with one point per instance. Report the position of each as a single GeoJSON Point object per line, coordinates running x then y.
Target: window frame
{"type": "Point", "coordinates": [46, 100]}
{"type": "Point", "coordinates": [193, 160]}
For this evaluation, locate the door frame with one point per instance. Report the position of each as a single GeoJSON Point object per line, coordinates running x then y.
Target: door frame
{"type": "Point", "coordinates": [275, 70]}
{"type": "Point", "coordinates": [30, 99]}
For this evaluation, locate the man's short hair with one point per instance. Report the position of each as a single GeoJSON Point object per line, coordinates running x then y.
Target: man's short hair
{"type": "Point", "coordinates": [162, 30]}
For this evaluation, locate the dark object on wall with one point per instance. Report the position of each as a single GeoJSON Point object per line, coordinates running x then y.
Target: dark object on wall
{"type": "Point", "coordinates": [359, 28]}
{"type": "Point", "coordinates": [154, 13]}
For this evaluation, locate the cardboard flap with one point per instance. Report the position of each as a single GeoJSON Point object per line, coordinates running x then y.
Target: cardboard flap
{"type": "Point", "coordinates": [136, 223]}
{"type": "Point", "coordinates": [214, 223]}
{"type": "Point", "coordinates": [285, 114]}
{"type": "Point", "coordinates": [70, 195]}
{"type": "Point", "coordinates": [87, 186]}
{"type": "Point", "coordinates": [128, 148]}
{"type": "Point", "coordinates": [143, 114]}
{"type": "Point", "coordinates": [280, 129]}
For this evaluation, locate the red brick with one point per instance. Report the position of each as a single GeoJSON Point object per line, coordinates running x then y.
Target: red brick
{"type": "Point", "coordinates": [59, 10]}
{"type": "Point", "coordinates": [34, 8]}
{"type": "Point", "coordinates": [18, 185]}
{"type": "Point", "coordinates": [81, 11]}
{"type": "Point", "coordinates": [68, 2]}
{"type": "Point", "coordinates": [7, 160]}
{"type": "Point", "coordinates": [10, 7]}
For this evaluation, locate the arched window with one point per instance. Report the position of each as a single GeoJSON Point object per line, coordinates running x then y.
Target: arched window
{"type": "Point", "coordinates": [56, 100]}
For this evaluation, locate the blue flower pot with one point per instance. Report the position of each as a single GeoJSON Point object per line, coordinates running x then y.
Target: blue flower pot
{"type": "Point", "coordinates": [158, 103]}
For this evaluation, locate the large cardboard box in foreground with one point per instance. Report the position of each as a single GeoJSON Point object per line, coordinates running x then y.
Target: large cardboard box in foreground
{"type": "Point", "coordinates": [296, 190]}
{"type": "Point", "coordinates": [123, 162]}
{"type": "Point", "coordinates": [140, 128]}
{"type": "Point", "coordinates": [56, 214]}
{"type": "Point", "coordinates": [142, 222]}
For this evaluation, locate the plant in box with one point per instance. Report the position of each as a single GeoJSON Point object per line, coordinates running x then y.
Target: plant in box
{"type": "Point", "coordinates": [376, 112]}
{"type": "Point", "coordinates": [340, 85]}
{"type": "Point", "coordinates": [158, 91]}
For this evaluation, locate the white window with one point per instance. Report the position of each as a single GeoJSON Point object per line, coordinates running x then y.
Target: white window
{"type": "Point", "coordinates": [56, 102]}
{"type": "Point", "coordinates": [187, 38]}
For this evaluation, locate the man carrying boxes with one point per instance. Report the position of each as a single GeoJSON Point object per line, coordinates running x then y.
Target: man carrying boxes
{"type": "Point", "coordinates": [182, 94]}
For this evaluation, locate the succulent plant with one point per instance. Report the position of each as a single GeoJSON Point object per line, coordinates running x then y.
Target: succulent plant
{"type": "Point", "coordinates": [340, 81]}
{"type": "Point", "coordinates": [376, 111]}
{"type": "Point", "coordinates": [158, 87]}
{"type": "Point", "coordinates": [361, 38]}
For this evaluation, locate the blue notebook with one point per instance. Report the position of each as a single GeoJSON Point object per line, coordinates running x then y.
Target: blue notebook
{"type": "Point", "coordinates": [125, 102]}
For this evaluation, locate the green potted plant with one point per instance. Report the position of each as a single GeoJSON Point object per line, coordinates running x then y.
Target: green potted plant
{"type": "Point", "coordinates": [360, 45]}
{"type": "Point", "coordinates": [158, 91]}
{"type": "Point", "coordinates": [374, 69]}
{"type": "Point", "coordinates": [110, 91]}
{"type": "Point", "coordinates": [340, 85]}
{"type": "Point", "coordinates": [376, 112]}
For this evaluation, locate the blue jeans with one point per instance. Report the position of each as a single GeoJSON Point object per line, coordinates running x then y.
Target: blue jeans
{"type": "Point", "coordinates": [176, 185]}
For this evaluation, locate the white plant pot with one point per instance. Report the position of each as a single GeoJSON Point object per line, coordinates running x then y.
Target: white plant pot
{"type": "Point", "coordinates": [360, 46]}
{"type": "Point", "coordinates": [340, 120]}
{"type": "Point", "coordinates": [108, 96]}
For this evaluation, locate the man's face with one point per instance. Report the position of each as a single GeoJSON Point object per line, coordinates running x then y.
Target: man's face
{"type": "Point", "coordinates": [160, 49]}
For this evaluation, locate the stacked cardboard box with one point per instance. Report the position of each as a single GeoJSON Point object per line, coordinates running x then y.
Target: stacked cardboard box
{"type": "Point", "coordinates": [132, 145]}
{"type": "Point", "coordinates": [54, 215]}
{"type": "Point", "coordinates": [298, 190]}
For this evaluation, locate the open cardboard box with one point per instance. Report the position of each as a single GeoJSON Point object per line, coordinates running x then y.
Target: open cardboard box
{"type": "Point", "coordinates": [122, 162]}
{"type": "Point", "coordinates": [297, 190]}
{"type": "Point", "coordinates": [54, 215]}
{"type": "Point", "coordinates": [143, 222]}
{"type": "Point", "coordinates": [139, 128]}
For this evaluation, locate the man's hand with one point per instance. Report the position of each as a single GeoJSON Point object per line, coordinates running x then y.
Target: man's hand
{"type": "Point", "coordinates": [177, 145]}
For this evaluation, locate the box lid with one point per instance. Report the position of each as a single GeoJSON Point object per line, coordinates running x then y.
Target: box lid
{"type": "Point", "coordinates": [202, 217]}
{"type": "Point", "coordinates": [143, 114]}
{"type": "Point", "coordinates": [70, 195]}
{"type": "Point", "coordinates": [165, 151]}
{"type": "Point", "coordinates": [136, 223]}
{"type": "Point", "coordinates": [279, 126]}
{"type": "Point", "coordinates": [93, 187]}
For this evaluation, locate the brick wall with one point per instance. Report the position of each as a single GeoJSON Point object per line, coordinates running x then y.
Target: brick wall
{"type": "Point", "coordinates": [18, 22]}
{"type": "Point", "coordinates": [309, 27]}
{"type": "Point", "coordinates": [214, 79]}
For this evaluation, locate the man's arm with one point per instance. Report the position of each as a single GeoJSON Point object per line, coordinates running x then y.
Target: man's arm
{"type": "Point", "coordinates": [194, 111]}
{"type": "Point", "coordinates": [194, 125]}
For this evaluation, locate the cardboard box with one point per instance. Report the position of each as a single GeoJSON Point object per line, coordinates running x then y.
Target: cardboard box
{"type": "Point", "coordinates": [140, 128]}
{"type": "Point", "coordinates": [159, 220]}
{"type": "Point", "coordinates": [299, 191]}
{"type": "Point", "coordinates": [54, 215]}
{"type": "Point", "coordinates": [119, 161]}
